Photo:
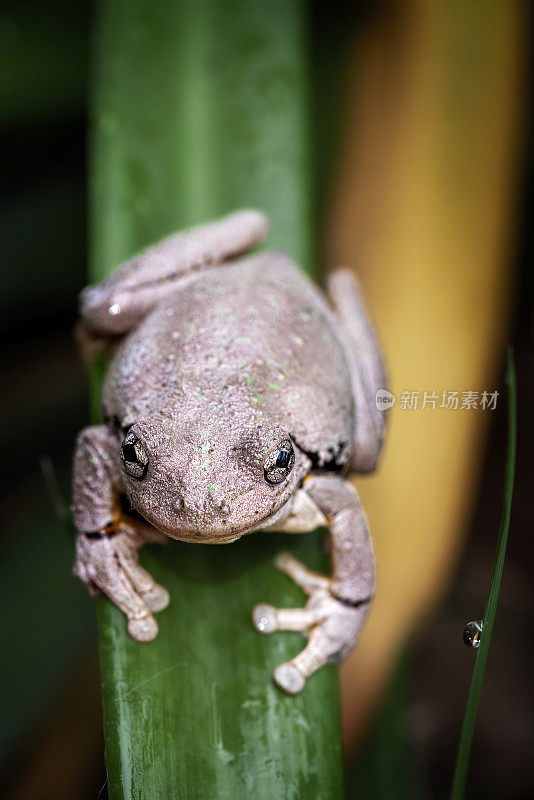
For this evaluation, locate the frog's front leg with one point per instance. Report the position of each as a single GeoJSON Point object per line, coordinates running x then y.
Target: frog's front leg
{"type": "Point", "coordinates": [113, 307]}
{"type": "Point", "coordinates": [338, 606]}
{"type": "Point", "coordinates": [107, 542]}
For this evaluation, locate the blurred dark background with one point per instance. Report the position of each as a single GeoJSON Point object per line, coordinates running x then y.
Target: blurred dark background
{"type": "Point", "coordinates": [51, 743]}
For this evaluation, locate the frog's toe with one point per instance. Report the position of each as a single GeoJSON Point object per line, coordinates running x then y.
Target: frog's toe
{"type": "Point", "coordinates": [308, 580]}
{"type": "Point", "coordinates": [323, 648]}
{"type": "Point", "coordinates": [267, 618]}
{"type": "Point", "coordinates": [289, 679]}
{"type": "Point", "coordinates": [143, 629]}
{"type": "Point", "coordinates": [157, 598]}
{"type": "Point", "coordinates": [264, 618]}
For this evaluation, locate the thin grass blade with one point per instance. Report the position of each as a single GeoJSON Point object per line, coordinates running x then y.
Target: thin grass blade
{"type": "Point", "coordinates": [468, 727]}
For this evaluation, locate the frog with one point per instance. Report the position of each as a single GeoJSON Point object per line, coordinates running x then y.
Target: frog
{"type": "Point", "coordinates": [239, 397]}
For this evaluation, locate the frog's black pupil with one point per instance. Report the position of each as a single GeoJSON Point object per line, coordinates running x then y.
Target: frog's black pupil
{"type": "Point", "coordinates": [279, 463]}
{"type": "Point", "coordinates": [283, 458]}
{"type": "Point", "coordinates": [129, 453]}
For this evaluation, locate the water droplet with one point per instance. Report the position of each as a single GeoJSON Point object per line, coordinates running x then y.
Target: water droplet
{"type": "Point", "coordinates": [472, 633]}
{"type": "Point", "coordinates": [115, 309]}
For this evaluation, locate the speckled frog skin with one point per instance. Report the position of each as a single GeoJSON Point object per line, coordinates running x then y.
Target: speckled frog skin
{"type": "Point", "coordinates": [237, 399]}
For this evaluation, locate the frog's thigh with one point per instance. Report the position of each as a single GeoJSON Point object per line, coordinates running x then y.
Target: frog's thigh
{"type": "Point", "coordinates": [138, 285]}
{"type": "Point", "coordinates": [365, 365]}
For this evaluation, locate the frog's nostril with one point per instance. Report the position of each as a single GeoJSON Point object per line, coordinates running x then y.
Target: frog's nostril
{"type": "Point", "coordinates": [224, 508]}
{"type": "Point", "coordinates": [179, 504]}
{"type": "Point", "coordinates": [216, 504]}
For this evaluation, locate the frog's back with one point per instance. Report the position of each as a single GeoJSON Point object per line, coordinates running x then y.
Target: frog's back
{"type": "Point", "coordinates": [255, 326]}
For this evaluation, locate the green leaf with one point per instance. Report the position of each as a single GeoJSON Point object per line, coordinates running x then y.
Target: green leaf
{"type": "Point", "coordinates": [475, 689]}
{"type": "Point", "coordinates": [200, 107]}
{"type": "Point", "coordinates": [385, 766]}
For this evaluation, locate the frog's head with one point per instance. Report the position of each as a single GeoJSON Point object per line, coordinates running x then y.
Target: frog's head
{"type": "Point", "coordinates": [209, 481]}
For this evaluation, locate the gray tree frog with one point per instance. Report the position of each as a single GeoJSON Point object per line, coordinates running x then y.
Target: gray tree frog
{"type": "Point", "coordinates": [238, 398]}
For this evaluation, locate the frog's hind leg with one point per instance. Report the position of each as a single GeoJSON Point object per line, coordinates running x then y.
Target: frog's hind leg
{"type": "Point", "coordinates": [366, 368]}
{"type": "Point", "coordinates": [113, 307]}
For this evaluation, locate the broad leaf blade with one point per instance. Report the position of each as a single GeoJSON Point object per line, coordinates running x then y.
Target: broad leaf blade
{"type": "Point", "coordinates": [200, 108]}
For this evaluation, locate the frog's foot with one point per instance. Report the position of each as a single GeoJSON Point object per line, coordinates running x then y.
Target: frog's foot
{"type": "Point", "coordinates": [331, 625]}
{"type": "Point", "coordinates": [107, 561]}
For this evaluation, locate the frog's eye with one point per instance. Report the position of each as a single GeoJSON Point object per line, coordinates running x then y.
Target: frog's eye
{"type": "Point", "coordinates": [279, 462]}
{"type": "Point", "coordinates": [133, 456]}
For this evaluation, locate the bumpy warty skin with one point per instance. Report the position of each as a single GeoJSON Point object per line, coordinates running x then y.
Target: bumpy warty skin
{"type": "Point", "coordinates": [241, 355]}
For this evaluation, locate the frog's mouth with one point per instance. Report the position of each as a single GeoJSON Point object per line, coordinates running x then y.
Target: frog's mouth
{"type": "Point", "coordinates": [225, 537]}
{"type": "Point", "coordinates": [193, 537]}
{"type": "Point", "coordinates": [219, 524]}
